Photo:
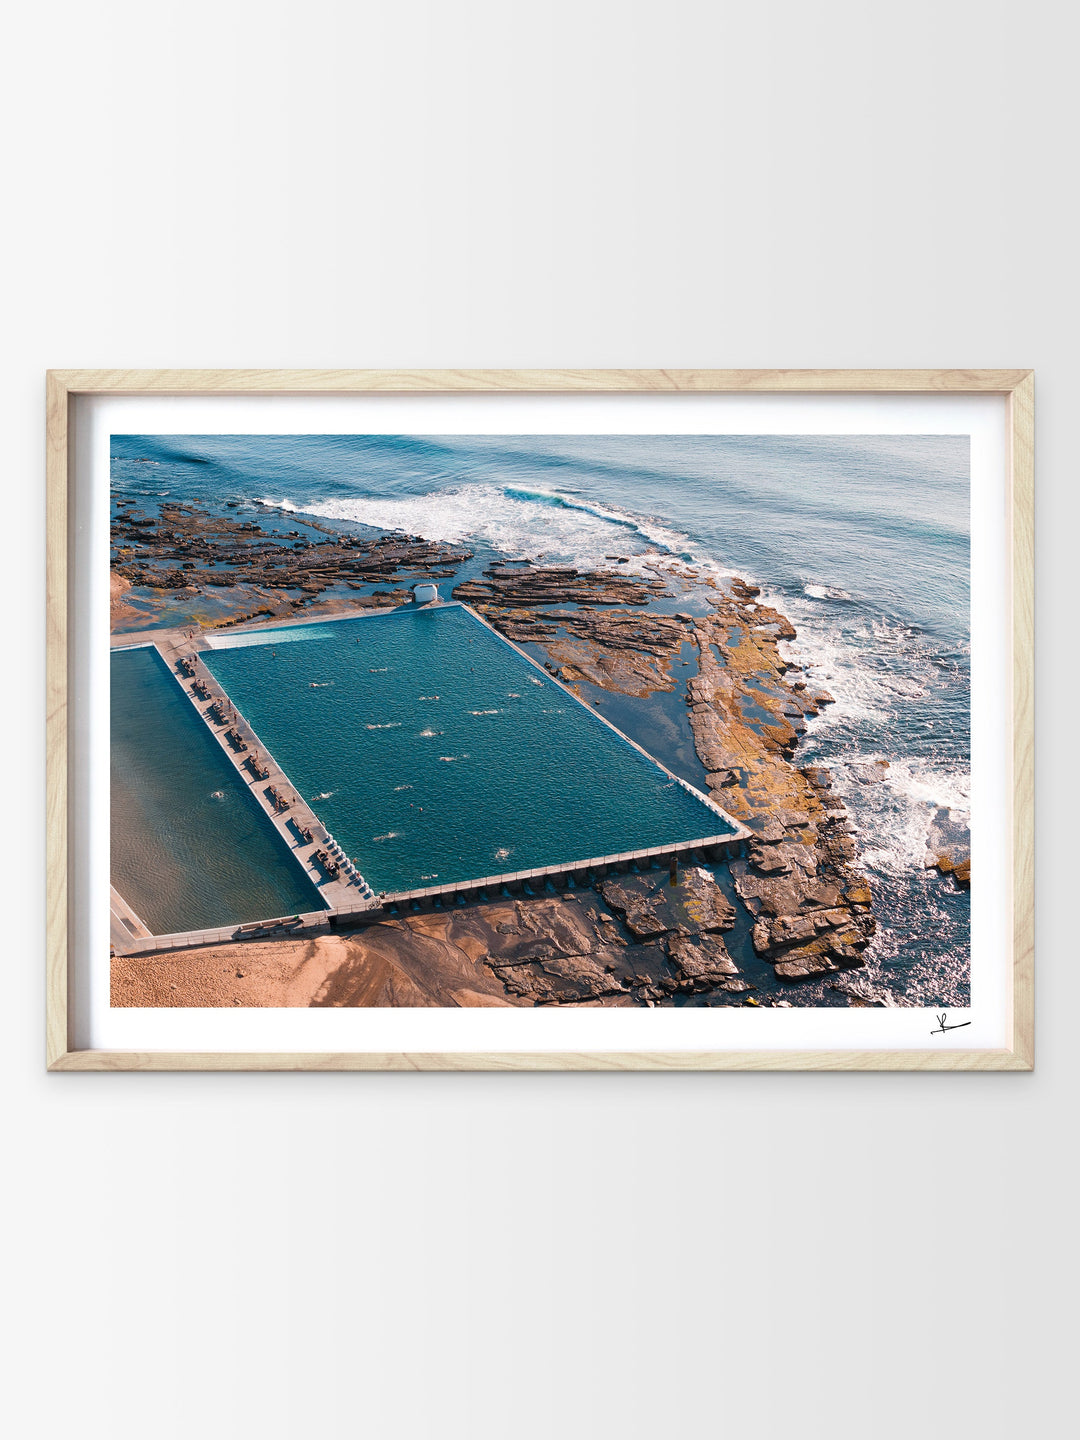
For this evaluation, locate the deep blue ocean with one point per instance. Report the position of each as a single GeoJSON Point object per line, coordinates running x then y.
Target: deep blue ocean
{"type": "Point", "coordinates": [863, 541]}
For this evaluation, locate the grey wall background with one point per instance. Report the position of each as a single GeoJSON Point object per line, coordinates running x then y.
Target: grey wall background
{"type": "Point", "coordinates": [467, 182]}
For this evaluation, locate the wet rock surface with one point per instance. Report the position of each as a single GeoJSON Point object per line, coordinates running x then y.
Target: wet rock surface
{"type": "Point", "coordinates": [522, 585]}
{"type": "Point", "coordinates": [191, 552]}
{"type": "Point", "coordinates": [811, 905]}
{"type": "Point", "coordinates": [640, 940]}
{"type": "Point", "coordinates": [649, 908]}
{"type": "Point", "coordinates": [948, 848]}
{"type": "Point", "coordinates": [628, 651]}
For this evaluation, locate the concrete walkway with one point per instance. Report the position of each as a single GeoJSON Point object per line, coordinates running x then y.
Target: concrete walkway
{"type": "Point", "coordinates": [343, 891]}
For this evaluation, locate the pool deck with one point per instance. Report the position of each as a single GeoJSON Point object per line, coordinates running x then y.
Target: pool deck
{"type": "Point", "coordinates": [349, 901]}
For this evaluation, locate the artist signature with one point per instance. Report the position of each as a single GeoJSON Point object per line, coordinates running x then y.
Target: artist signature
{"type": "Point", "coordinates": [942, 1027]}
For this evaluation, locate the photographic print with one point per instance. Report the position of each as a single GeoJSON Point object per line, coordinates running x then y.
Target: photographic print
{"type": "Point", "coordinates": [545, 721]}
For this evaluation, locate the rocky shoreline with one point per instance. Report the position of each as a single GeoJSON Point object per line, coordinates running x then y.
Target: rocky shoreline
{"type": "Point", "coordinates": [637, 938]}
{"type": "Point", "coordinates": [187, 552]}
{"type": "Point", "coordinates": [812, 907]}
{"type": "Point", "coordinates": [799, 878]}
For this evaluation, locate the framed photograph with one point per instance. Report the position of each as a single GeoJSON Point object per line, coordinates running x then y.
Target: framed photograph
{"type": "Point", "coordinates": [510, 720]}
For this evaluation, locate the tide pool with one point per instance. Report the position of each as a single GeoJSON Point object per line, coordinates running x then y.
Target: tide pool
{"type": "Point", "coordinates": [436, 754]}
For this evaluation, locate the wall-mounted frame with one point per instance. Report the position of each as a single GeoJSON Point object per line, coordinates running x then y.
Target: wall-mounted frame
{"type": "Point", "coordinates": [547, 1027]}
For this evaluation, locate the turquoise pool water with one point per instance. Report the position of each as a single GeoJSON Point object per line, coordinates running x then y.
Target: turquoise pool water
{"type": "Point", "coordinates": [436, 754]}
{"type": "Point", "coordinates": [191, 849]}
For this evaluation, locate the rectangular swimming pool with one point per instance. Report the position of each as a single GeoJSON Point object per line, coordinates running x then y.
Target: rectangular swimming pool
{"type": "Point", "coordinates": [191, 848]}
{"type": "Point", "coordinates": [436, 753]}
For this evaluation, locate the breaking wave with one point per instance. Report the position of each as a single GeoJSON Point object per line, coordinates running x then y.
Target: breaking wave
{"type": "Point", "coordinates": [825, 592]}
{"type": "Point", "coordinates": [894, 815]}
{"type": "Point", "coordinates": [894, 702]}
{"type": "Point", "coordinates": [512, 520]}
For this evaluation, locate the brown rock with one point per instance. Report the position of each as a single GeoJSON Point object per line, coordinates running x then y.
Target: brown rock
{"type": "Point", "coordinates": [702, 960]}
{"type": "Point", "coordinates": [653, 907]}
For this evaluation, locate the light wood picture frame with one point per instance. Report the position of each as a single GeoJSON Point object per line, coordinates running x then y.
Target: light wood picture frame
{"type": "Point", "coordinates": [65, 390]}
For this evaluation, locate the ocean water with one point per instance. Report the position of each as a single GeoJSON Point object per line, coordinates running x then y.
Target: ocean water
{"type": "Point", "coordinates": [862, 540]}
{"type": "Point", "coordinates": [191, 849]}
{"type": "Point", "coordinates": [435, 754]}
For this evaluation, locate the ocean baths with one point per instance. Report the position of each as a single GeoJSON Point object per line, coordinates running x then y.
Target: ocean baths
{"type": "Point", "coordinates": [434, 756]}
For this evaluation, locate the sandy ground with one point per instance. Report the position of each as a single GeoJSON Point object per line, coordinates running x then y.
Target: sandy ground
{"type": "Point", "coordinates": [120, 613]}
{"type": "Point", "coordinates": [386, 964]}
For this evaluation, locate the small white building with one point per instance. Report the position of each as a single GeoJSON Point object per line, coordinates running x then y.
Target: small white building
{"type": "Point", "coordinates": [425, 594]}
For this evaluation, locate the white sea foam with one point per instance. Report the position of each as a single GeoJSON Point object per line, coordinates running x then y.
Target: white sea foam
{"type": "Point", "coordinates": [871, 670]}
{"type": "Point", "coordinates": [513, 520]}
{"type": "Point", "coordinates": [825, 592]}
{"type": "Point", "coordinates": [894, 815]}
{"type": "Point", "coordinates": [390, 725]}
{"type": "Point", "coordinates": [934, 786]}
{"type": "Point", "coordinates": [875, 668]}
